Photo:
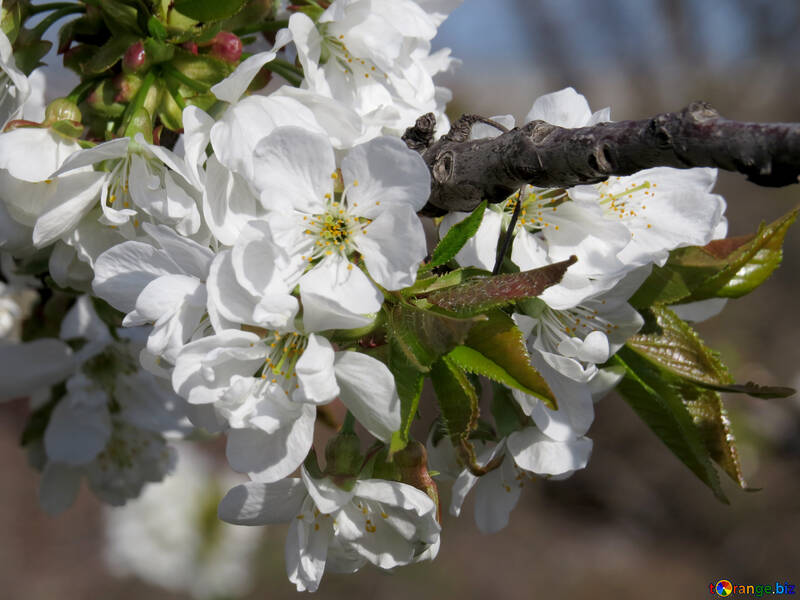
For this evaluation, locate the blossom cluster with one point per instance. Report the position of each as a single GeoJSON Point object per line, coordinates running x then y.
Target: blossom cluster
{"type": "Point", "coordinates": [238, 283]}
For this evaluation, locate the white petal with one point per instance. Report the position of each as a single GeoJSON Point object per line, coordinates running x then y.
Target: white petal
{"type": "Point", "coordinates": [235, 85]}
{"type": "Point", "coordinates": [25, 368]}
{"type": "Point", "coordinates": [294, 168]}
{"type": "Point", "coordinates": [116, 148]}
{"type": "Point", "coordinates": [315, 373]}
{"type": "Point", "coordinates": [335, 297]}
{"type": "Point", "coordinates": [565, 108]}
{"type": "Point", "coordinates": [75, 196]}
{"type": "Point", "coordinates": [368, 391]}
{"type": "Point", "coordinates": [393, 247]}
{"type": "Point", "coordinates": [386, 171]}
{"type": "Point", "coordinates": [255, 503]}
{"type": "Point", "coordinates": [326, 495]}
{"type": "Point", "coordinates": [122, 272]}
{"type": "Point", "coordinates": [534, 451]}
{"type": "Point", "coordinates": [76, 433]}
{"type": "Point", "coordinates": [271, 457]}
{"type": "Point", "coordinates": [496, 495]}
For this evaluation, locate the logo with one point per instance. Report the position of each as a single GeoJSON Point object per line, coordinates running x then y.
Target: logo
{"type": "Point", "coordinates": [723, 588]}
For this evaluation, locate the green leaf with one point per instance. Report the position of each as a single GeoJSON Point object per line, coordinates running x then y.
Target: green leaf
{"type": "Point", "coordinates": [479, 295]}
{"type": "Point", "coordinates": [209, 10]}
{"type": "Point", "coordinates": [409, 388]}
{"type": "Point", "coordinates": [28, 56]}
{"type": "Point", "coordinates": [39, 418]}
{"type": "Point", "coordinates": [728, 268]}
{"type": "Point", "coordinates": [70, 129]}
{"type": "Point", "coordinates": [672, 344]}
{"type": "Point", "coordinates": [675, 346]}
{"type": "Point", "coordinates": [458, 235]}
{"type": "Point", "coordinates": [109, 53]}
{"type": "Point", "coordinates": [508, 416]}
{"type": "Point", "coordinates": [457, 399]}
{"type": "Point", "coordinates": [496, 349]}
{"type": "Point", "coordinates": [121, 18]}
{"type": "Point", "coordinates": [423, 336]}
{"type": "Point", "coordinates": [660, 407]}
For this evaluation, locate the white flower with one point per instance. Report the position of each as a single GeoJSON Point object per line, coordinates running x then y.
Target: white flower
{"type": "Point", "coordinates": [170, 535]}
{"type": "Point", "coordinates": [111, 420]}
{"type": "Point", "coordinates": [264, 389]}
{"type": "Point", "coordinates": [386, 523]}
{"type": "Point", "coordinates": [374, 56]}
{"type": "Point", "coordinates": [384, 185]}
{"type": "Point", "coordinates": [160, 283]}
{"type": "Point", "coordinates": [524, 453]}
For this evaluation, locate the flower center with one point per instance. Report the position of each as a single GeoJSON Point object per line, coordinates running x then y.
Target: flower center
{"type": "Point", "coordinates": [283, 352]}
{"type": "Point", "coordinates": [335, 51]}
{"type": "Point", "coordinates": [333, 231]}
{"type": "Point", "coordinates": [626, 204]}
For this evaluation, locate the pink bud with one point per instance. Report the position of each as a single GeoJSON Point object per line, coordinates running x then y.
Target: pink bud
{"type": "Point", "coordinates": [190, 46]}
{"type": "Point", "coordinates": [135, 57]}
{"type": "Point", "coordinates": [226, 46]}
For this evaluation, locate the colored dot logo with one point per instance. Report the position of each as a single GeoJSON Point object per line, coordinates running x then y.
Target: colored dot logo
{"type": "Point", "coordinates": [723, 587]}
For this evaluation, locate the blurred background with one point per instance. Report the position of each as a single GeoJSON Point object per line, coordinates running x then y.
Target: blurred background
{"type": "Point", "coordinates": [636, 522]}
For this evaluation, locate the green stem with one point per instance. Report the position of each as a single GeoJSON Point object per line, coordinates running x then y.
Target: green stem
{"type": "Point", "coordinates": [259, 27]}
{"type": "Point", "coordinates": [35, 9]}
{"type": "Point", "coordinates": [184, 79]}
{"type": "Point", "coordinates": [349, 423]}
{"type": "Point", "coordinates": [38, 31]}
{"type": "Point", "coordinates": [286, 70]}
{"type": "Point", "coordinates": [173, 91]}
{"type": "Point", "coordinates": [138, 100]}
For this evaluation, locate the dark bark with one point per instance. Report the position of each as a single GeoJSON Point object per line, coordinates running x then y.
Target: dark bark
{"type": "Point", "coordinates": [465, 171]}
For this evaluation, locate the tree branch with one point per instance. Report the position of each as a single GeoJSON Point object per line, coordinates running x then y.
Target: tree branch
{"type": "Point", "coordinates": [465, 171]}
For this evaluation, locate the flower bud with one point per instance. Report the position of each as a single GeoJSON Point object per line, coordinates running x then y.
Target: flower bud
{"type": "Point", "coordinates": [343, 456]}
{"type": "Point", "coordinates": [190, 46]}
{"type": "Point", "coordinates": [226, 46]}
{"type": "Point", "coordinates": [126, 85]}
{"type": "Point", "coordinates": [135, 58]}
{"type": "Point", "coordinates": [62, 109]}
{"type": "Point", "coordinates": [413, 464]}
{"type": "Point", "coordinates": [102, 101]}
{"type": "Point", "coordinates": [141, 122]}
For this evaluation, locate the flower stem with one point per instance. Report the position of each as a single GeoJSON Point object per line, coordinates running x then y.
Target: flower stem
{"type": "Point", "coordinates": [184, 79]}
{"type": "Point", "coordinates": [286, 70]}
{"type": "Point", "coordinates": [138, 100]}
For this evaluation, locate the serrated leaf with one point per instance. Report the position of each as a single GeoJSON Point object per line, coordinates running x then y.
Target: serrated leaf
{"type": "Point", "coordinates": [109, 53]}
{"type": "Point", "coordinates": [28, 56]}
{"type": "Point", "coordinates": [479, 295]}
{"type": "Point", "coordinates": [408, 380]}
{"type": "Point", "coordinates": [457, 399]}
{"type": "Point", "coordinates": [672, 344]}
{"type": "Point", "coordinates": [661, 408]}
{"type": "Point", "coordinates": [500, 342]}
{"type": "Point", "coordinates": [728, 268]}
{"type": "Point", "coordinates": [675, 346]}
{"type": "Point", "coordinates": [711, 419]}
{"type": "Point", "coordinates": [508, 417]}
{"type": "Point", "coordinates": [209, 10]}
{"type": "Point", "coordinates": [459, 234]}
{"type": "Point", "coordinates": [423, 336]}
